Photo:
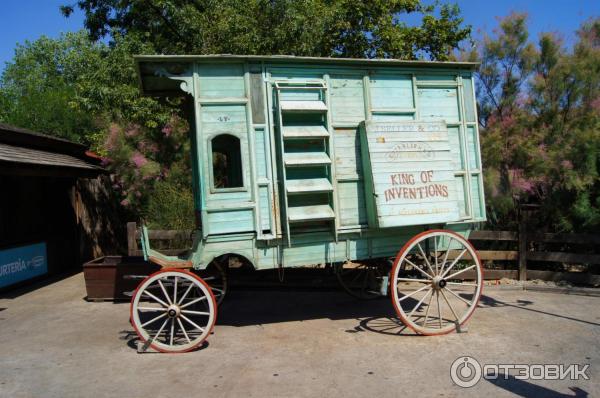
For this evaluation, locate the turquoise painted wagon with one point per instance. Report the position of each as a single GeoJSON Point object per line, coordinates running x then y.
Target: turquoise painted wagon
{"type": "Point", "coordinates": [368, 166]}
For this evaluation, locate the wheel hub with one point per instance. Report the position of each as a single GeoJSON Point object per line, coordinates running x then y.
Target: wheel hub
{"type": "Point", "coordinates": [439, 283]}
{"type": "Point", "coordinates": [173, 311]}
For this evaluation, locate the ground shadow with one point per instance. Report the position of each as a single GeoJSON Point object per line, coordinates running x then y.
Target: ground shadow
{"type": "Point", "coordinates": [524, 388]}
{"type": "Point", "coordinates": [487, 301]}
{"type": "Point", "coordinates": [133, 341]}
{"type": "Point", "coordinates": [269, 305]}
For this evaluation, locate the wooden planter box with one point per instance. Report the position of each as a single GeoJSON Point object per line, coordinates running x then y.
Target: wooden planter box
{"type": "Point", "coordinates": [105, 276]}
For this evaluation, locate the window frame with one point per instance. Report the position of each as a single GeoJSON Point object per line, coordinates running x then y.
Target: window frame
{"type": "Point", "coordinates": [211, 173]}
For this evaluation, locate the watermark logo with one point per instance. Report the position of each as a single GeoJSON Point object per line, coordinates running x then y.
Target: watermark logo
{"type": "Point", "coordinates": [467, 371]}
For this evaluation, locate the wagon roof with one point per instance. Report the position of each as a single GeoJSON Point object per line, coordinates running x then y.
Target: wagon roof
{"type": "Point", "coordinates": [150, 83]}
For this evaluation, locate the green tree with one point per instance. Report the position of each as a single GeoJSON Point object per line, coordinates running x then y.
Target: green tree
{"type": "Point", "coordinates": [348, 28]}
{"type": "Point", "coordinates": [540, 113]}
{"type": "Point", "coordinates": [38, 89]}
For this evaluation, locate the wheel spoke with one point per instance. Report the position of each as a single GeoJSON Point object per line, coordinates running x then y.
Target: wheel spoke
{"type": "Point", "coordinates": [410, 294]}
{"type": "Point", "coordinates": [454, 263]}
{"type": "Point", "coordinates": [462, 283]}
{"type": "Point", "coordinates": [425, 258]}
{"type": "Point", "coordinates": [193, 302]}
{"type": "Point", "coordinates": [413, 280]}
{"type": "Point", "coordinates": [435, 252]}
{"type": "Point", "coordinates": [461, 271]}
{"type": "Point", "coordinates": [449, 305]}
{"type": "Point", "coordinates": [172, 331]}
{"type": "Point", "coordinates": [151, 309]}
{"type": "Point", "coordinates": [154, 319]}
{"type": "Point", "coordinates": [420, 302]}
{"type": "Point", "coordinates": [195, 312]}
{"type": "Point", "coordinates": [418, 268]}
{"type": "Point", "coordinates": [188, 320]}
{"type": "Point", "coordinates": [183, 330]}
{"type": "Point", "coordinates": [160, 330]}
{"type": "Point", "coordinates": [185, 294]}
{"type": "Point", "coordinates": [164, 291]}
{"type": "Point", "coordinates": [427, 310]}
{"type": "Point", "coordinates": [468, 303]}
{"type": "Point", "coordinates": [446, 256]}
{"type": "Point", "coordinates": [175, 290]}
{"type": "Point", "coordinates": [146, 292]}
{"type": "Point", "coordinates": [437, 296]}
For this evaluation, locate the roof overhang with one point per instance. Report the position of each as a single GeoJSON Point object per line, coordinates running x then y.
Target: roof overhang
{"type": "Point", "coordinates": [27, 153]}
{"type": "Point", "coordinates": [151, 83]}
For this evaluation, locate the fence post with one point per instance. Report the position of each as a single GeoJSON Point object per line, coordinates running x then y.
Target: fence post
{"type": "Point", "coordinates": [131, 241]}
{"type": "Point", "coordinates": [522, 247]}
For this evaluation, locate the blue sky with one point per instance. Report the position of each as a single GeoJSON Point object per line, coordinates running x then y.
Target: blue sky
{"type": "Point", "coordinates": [29, 19]}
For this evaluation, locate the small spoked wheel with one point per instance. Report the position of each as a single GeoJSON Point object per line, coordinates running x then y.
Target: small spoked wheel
{"type": "Point", "coordinates": [361, 280]}
{"type": "Point", "coordinates": [173, 311]}
{"type": "Point", "coordinates": [436, 282]}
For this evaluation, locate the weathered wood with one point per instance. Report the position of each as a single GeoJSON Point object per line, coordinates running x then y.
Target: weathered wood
{"type": "Point", "coordinates": [565, 238]}
{"type": "Point", "coordinates": [494, 235]}
{"type": "Point", "coordinates": [561, 257]}
{"type": "Point", "coordinates": [522, 250]}
{"type": "Point", "coordinates": [584, 278]}
{"type": "Point", "coordinates": [131, 238]}
{"type": "Point", "coordinates": [490, 274]}
{"type": "Point", "coordinates": [498, 255]}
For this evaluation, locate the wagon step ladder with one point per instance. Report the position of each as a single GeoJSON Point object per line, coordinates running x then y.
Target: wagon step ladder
{"type": "Point", "coordinates": [306, 148]}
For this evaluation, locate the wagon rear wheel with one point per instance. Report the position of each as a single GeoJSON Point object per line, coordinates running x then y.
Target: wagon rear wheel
{"type": "Point", "coordinates": [436, 282]}
{"type": "Point", "coordinates": [173, 311]}
{"type": "Point", "coordinates": [215, 276]}
{"type": "Point", "coordinates": [361, 280]}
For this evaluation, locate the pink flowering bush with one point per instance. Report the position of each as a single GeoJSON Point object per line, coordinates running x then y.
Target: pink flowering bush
{"type": "Point", "coordinates": [151, 169]}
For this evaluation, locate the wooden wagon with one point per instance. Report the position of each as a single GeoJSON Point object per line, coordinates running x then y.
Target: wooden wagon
{"type": "Point", "coordinates": [369, 166]}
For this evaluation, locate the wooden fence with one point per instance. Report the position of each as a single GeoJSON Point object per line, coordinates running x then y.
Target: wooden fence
{"type": "Point", "coordinates": [526, 245]}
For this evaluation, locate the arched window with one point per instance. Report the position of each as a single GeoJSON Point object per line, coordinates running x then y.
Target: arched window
{"type": "Point", "coordinates": [226, 162]}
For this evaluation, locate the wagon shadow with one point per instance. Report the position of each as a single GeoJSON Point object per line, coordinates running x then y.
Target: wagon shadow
{"type": "Point", "coordinates": [250, 307]}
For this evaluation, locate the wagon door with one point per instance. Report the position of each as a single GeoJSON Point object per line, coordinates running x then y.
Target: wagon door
{"type": "Point", "coordinates": [409, 174]}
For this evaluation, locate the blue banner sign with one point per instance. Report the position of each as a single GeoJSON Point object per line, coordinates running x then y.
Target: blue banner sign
{"type": "Point", "coordinates": [22, 263]}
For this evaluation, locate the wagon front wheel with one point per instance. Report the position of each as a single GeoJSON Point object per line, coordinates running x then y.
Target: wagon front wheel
{"type": "Point", "coordinates": [436, 282]}
{"type": "Point", "coordinates": [173, 311]}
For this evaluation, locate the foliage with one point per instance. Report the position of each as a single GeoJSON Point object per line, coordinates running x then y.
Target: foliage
{"type": "Point", "coordinates": [38, 89]}
{"type": "Point", "coordinates": [540, 111]}
{"type": "Point", "coordinates": [349, 28]}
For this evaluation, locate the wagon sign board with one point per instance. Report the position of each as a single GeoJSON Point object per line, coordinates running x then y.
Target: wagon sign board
{"type": "Point", "coordinates": [408, 173]}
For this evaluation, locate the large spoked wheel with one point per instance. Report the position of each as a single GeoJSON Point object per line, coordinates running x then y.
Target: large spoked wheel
{"type": "Point", "coordinates": [428, 289]}
{"type": "Point", "coordinates": [173, 311]}
{"type": "Point", "coordinates": [361, 280]}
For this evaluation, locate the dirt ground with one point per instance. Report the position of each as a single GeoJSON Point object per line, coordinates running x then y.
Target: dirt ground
{"type": "Point", "coordinates": [291, 343]}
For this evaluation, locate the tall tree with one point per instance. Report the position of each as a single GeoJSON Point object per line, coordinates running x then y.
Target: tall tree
{"type": "Point", "coordinates": [540, 113]}
{"type": "Point", "coordinates": [349, 28]}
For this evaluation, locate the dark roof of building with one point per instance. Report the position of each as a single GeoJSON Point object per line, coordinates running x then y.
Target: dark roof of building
{"type": "Point", "coordinates": [25, 152]}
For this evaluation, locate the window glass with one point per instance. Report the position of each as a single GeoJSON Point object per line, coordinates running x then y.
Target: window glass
{"type": "Point", "coordinates": [227, 162]}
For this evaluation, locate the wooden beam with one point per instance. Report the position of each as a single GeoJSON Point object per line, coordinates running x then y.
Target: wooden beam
{"type": "Point", "coordinates": [561, 257]}
{"type": "Point", "coordinates": [132, 248]}
{"type": "Point", "coordinates": [494, 235]}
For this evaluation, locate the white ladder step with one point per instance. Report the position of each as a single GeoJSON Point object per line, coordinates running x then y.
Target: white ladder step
{"type": "Point", "coordinates": [303, 106]}
{"type": "Point", "coordinates": [309, 185]}
{"type": "Point", "coordinates": [310, 213]}
{"type": "Point", "coordinates": [306, 159]}
{"type": "Point", "coordinates": [305, 132]}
